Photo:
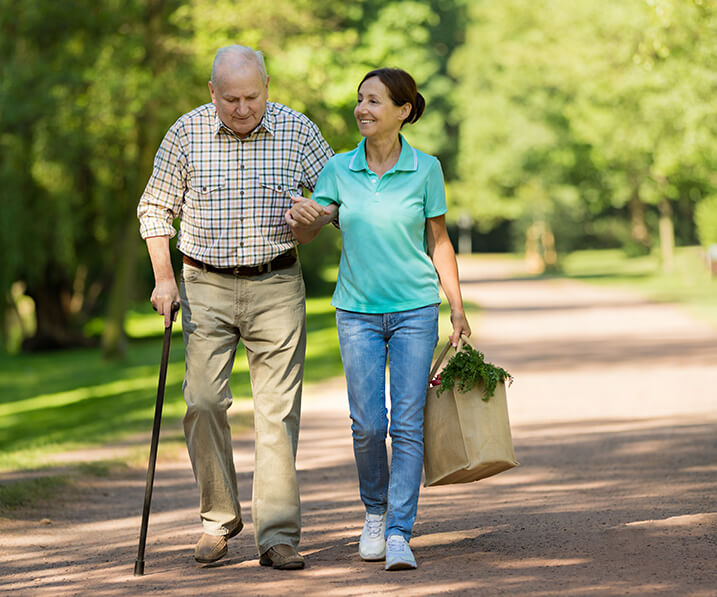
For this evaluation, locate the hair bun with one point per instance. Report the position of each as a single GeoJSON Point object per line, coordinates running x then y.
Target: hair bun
{"type": "Point", "coordinates": [418, 108]}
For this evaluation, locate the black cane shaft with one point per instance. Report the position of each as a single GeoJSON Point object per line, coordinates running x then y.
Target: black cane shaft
{"type": "Point", "coordinates": [139, 563]}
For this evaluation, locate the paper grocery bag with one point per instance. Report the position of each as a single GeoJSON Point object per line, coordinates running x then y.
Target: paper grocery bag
{"type": "Point", "coordinates": [466, 438]}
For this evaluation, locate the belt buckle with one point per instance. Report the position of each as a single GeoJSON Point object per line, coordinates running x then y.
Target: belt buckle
{"type": "Point", "coordinates": [236, 270]}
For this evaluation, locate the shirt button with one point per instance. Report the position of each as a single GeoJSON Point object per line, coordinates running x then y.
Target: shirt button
{"type": "Point", "coordinates": [241, 193]}
{"type": "Point", "coordinates": [204, 189]}
{"type": "Point", "coordinates": [241, 167]}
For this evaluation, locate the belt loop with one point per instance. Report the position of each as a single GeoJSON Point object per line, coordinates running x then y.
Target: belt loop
{"type": "Point", "coordinates": [268, 268]}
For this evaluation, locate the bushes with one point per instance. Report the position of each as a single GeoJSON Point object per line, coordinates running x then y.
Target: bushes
{"type": "Point", "coordinates": [706, 221]}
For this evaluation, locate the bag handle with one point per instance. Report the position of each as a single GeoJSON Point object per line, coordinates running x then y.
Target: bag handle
{"type": "Point", "coordinates": [462, 340]}
{"type": "Point", "coordinates": [439, 360]}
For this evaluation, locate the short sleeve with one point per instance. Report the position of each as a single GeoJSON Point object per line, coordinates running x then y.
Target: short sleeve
{"type": "Point", "coordinates": [435, 199]}
{"type": "Point", "coordinates": [326, 190]}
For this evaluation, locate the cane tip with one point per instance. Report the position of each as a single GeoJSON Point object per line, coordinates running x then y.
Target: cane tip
{"type": "Point", "coordinates": [139, 567]}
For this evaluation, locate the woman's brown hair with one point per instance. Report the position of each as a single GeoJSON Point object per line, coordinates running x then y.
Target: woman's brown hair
{"type": "Point", "coordinates": [401, 89]}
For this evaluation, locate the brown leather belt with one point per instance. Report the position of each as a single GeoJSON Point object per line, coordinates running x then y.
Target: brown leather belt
{"type": "Point", "coordinates": [279, 262]}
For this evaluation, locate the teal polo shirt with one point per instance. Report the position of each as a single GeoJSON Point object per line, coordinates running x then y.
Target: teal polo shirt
{"type": "Point", "coordinates": [384, 264]}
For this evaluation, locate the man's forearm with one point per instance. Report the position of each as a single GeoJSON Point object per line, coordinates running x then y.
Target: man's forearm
{"type": "Point", "coordinates": [158, 248]}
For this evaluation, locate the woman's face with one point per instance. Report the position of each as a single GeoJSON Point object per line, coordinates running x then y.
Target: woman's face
{"type": "Point", "coordinates": [375, 112]}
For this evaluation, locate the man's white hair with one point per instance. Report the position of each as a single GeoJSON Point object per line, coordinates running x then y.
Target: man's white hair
{"type": "Point", "coordinates": [236, 51]}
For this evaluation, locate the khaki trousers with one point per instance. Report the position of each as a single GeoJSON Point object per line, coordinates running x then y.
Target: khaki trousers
{"type": "Point", "coordinates": [268, 313]}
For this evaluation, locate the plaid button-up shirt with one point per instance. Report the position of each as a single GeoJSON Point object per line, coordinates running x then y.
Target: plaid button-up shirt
{"type": "Point", "coordinates": [231, 193]}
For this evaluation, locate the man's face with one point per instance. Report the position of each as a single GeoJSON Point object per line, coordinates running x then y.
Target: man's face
{"type": "Point", "coordinates": [240, 97]}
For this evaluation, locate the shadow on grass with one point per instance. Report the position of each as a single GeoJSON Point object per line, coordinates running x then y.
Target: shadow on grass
{"type": "Point", "coordinates": [51, 402]}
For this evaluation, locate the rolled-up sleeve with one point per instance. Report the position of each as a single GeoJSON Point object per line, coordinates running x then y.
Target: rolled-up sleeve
{"type": "Point", "coordinates": [161, 201]}
{"type": "Point", "coordinates": [316, 153]}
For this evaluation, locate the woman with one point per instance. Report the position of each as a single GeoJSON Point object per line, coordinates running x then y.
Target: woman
{"type": "Point", "coordinates": [391, 200]}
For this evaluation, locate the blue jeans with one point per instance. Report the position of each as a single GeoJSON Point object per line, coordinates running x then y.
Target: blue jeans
{"type": "Point", "coordinates": [408, 339]}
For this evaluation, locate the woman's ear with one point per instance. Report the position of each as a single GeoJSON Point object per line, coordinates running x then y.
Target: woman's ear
{"type": "Point", "coordinates": [405, 111]}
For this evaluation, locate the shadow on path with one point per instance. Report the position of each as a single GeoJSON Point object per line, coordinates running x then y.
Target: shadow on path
{"type": "Point", "coordinates": [600, 512]}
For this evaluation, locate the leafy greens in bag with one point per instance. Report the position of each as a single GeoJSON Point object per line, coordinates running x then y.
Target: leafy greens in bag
{"type": "Point", "coordinates": [468, 367]}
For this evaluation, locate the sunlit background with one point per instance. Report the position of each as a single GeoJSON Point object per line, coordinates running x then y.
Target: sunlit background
{"type": "Point", "coordinates": [579, 137]}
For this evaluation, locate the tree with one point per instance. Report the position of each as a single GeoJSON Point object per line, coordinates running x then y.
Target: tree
{"type": "Point", "coordinates": [81, 93]}
{"type": "Point", "coordinates": [580, 112]}
{"type": "Point", "coordinates": [90, 86]}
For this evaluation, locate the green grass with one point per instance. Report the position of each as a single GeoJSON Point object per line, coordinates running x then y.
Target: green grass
{"type": "Point", "coordinates": [689, 284]}
{"type": "Point", "coordinates": [23, 493]}
{"type": "Point", "coordinates": [53, 403]}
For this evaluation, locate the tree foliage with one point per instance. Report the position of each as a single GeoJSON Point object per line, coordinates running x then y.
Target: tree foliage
{"type": "Point", "coordinates": [589, 123]}
{"type": "Point", "coordinates": [583, 111]}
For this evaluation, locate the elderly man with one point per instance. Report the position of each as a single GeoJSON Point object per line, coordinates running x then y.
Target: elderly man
{"type": "Point", "coordinates": [229, 169]}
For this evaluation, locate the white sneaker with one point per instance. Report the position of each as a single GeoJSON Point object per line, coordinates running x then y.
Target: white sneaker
{"type": "Point", "coordinates": [398, 554]}
{"type": "Point", "coordinates": [372, 545]}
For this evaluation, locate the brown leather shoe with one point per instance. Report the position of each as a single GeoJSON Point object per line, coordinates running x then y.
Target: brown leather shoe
{"type": "Point", "coordinates": [211, 548]}
{"type": "Point", "coordinates": [282, 557]}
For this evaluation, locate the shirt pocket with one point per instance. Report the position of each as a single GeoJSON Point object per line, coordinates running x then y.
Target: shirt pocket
{"type": "Point", "coordinates": [206, 188]}
{"type": "Point", "coordinates": [276, 191]}
{"type": "Point", "coordinates": [201, 214]}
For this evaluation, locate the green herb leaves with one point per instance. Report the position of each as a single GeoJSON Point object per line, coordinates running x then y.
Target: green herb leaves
{"type": "Point", "coordinates": [467, 368]}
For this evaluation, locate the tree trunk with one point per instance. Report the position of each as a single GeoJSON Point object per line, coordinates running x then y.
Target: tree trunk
{"type": "Point", "coordinates": [667, 235]}
{"type": "Point", "coordinates": [114, 338]}
{"type": "Point", "coordinates": [55, 328]}
{"type": "Point", "coordinates": [534, 263]}
{"type": "Point", "coordinates": [465, 225]}
{"type": "Point", "coordinates": [550, 254]}
{"type": "Point", "coordinates": [638, 225]}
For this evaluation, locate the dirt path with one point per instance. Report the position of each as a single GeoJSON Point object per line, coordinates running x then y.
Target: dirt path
{"type": "Point", "coordinates": [614, 414]}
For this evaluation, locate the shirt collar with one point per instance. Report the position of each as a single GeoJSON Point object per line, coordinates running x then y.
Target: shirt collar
{"type": "Point", "coordinates": [407, 160]}
{"type": "Point", "coordinates": [267, 122]}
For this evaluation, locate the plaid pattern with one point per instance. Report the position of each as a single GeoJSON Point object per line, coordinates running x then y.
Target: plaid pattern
{"type": "Point", "coordinates": [231, 193]}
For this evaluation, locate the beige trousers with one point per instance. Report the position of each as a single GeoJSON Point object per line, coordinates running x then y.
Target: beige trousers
{"type": "Point", "coordinates": [268, 313]}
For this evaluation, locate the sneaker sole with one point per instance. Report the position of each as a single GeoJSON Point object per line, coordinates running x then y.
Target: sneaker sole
{"type": "Point", "coordinates": [401, 566]}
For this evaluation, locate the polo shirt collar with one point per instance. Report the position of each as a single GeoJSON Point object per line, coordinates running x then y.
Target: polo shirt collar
{"type": "Point", "coordinates": [267, 122]}
{"type": "Point", "coordinates": [407, 160]}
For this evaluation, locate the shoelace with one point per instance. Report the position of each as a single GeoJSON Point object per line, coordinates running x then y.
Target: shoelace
{"type": "Point", "coordinates": [374, 528]}
{"type": "Point", "coordinates": [396, 543]}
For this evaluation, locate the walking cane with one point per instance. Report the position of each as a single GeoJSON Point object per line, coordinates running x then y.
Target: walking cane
{"type": "Point", "coordinates": [139, 563]}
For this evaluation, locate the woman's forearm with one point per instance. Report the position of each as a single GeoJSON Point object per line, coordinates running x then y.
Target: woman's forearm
{"type": "Point", "coordinates": [444, 260]}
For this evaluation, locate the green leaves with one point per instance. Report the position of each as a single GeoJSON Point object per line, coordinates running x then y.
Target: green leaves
{"type": "Point", "coordinates": [468, 368]}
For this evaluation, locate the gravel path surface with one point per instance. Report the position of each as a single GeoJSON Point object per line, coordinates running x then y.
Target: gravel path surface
{"type": "Point", "coordinates": [614, 415]}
